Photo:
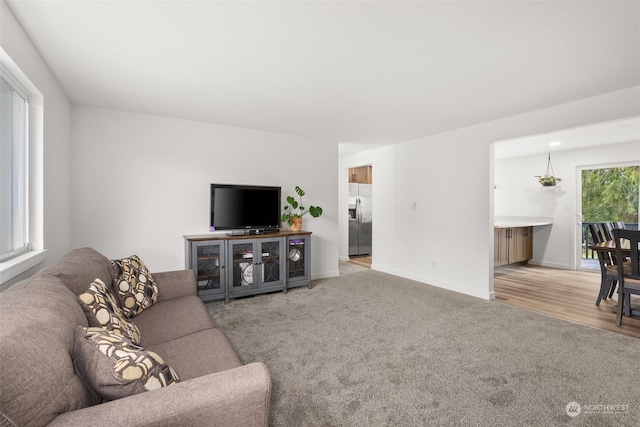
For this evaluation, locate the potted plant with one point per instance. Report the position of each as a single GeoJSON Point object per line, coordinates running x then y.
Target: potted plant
{"type": "Point", "coordinates": [295, 210]}
{"type": "Point", "coordinates": [548, 180]}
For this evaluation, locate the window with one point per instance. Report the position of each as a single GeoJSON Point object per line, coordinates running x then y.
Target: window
{"type": "Point", "coordinates": [14, 168]}
{"type": "Point", "coordinates": [21, 174]}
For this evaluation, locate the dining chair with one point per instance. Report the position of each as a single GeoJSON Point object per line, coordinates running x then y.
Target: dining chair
{"type": "Point", "coordinates": [608, 229]}
{"type": "Point", "coordinates": [608, 268]}
{"type": "Point", "coordinates": [628, 272]}
{"type": "Point", "coordinates": [598, 233]}
{"type": "Point", "coordinates": [619, 224]}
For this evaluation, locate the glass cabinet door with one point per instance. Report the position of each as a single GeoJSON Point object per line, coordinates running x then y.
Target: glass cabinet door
{"type": "Point", "coordinates": [270, 267]}
{"type": "Point", "coordinates": [243, 268]}
{"type": "Point", "coordinates": [208, 263]}
{"type": "Point", "coordinates": [298, 260]}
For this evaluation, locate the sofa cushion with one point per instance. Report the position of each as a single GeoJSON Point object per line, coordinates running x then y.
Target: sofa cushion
{"type": "Point", "coordinates": [168, 320]}
{"type": "Point", "coordinates": [198, 354]}
{"type": "Point", "coordinates": [102, 310]}
{"type": "Point", "coordinates": [38, 319]}
{"type": "Point", "coordinates": [80, 267]}
{"type": "Point", "coordinates": [175, 284]}
{"type": "Point", "coordinates": [133, 285]}
{"type": "Point", "coordinates": [115, 367]}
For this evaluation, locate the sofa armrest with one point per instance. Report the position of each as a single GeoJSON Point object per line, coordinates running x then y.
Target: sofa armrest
{"type": "Point", "coordinates": [235, 397]}
{"type": "Point", "coordinates": [174, 284]}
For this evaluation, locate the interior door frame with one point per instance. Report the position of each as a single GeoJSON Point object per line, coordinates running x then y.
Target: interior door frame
{"type": "Point", "coordinates": [579, 217]}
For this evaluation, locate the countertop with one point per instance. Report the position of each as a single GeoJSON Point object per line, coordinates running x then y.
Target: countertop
{"type": "Point", "coordinates": [521, 221]}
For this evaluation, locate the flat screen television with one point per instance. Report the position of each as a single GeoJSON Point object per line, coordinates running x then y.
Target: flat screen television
{"type": "Point", "coordinates": [250, 209]}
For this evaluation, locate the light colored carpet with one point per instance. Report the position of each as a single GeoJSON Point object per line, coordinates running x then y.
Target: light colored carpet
{"type": "Point", "coordinates": [371, 349]}
{"type": "Point", "coordinates": [349, 268]}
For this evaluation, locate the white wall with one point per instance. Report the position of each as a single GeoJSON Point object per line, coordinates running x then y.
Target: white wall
{"type": "Point", "coordinates": [54, 201]}
{"type": "Point", "coordinates": [142, 182]}
{"type": "Point", "coordinates": [447, 240]}
{"type": "Point", "coordinates": [519, 194]}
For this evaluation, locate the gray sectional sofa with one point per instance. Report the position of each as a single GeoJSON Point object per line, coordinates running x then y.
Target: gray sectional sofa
{"type": "Point", "coordinates": [40, 386]}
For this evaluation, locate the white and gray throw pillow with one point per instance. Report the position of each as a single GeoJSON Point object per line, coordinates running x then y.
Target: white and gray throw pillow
{"type": "Point", "coordinates": [133, 285]}
{"type": "Point", "coordinates": [102, 310]}
{"type": "Point", "coordinates": [115, 367]}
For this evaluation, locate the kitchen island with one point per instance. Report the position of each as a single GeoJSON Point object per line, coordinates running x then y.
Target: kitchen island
{"type": "Point", "coordinates": [521, 221]}
{"type": "Point", "coordinates": [513, 238]}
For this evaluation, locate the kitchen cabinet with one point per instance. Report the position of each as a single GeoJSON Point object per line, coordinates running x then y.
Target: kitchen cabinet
{"type": "Point", "coordinates": [512, 245]}
{"type": "Point", "coordinates": [361, 175]}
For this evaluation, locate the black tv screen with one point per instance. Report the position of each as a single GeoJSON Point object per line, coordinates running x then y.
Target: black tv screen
{"type": "Point", "coordinates": [244, 207]}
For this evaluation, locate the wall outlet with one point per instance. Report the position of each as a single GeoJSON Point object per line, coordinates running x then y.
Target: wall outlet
{"type": "Point", "coordinates": [433, 264]}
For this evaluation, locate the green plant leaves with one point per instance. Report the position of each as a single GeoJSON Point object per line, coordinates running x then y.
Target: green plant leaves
{"type": "Point", "coordinates": [315, 211]}
{"type": "Point", "coordinates": [292, 202]}
{"type": "Point", "coordinates": [297, 209]}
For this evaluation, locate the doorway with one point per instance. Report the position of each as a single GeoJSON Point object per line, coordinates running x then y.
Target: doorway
{"type": "Point", "coordinates": [360, 215]}
{"type": "Point", "coordinates": [533, 287]}
{"type": "Point", "coordinates": [608, 194]}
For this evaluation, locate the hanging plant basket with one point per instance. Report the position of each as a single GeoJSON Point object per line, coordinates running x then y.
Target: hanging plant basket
{"type": "Point", "coordinates": [548, 179]}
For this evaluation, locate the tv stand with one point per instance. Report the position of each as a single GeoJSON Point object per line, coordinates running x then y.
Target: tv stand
{"type": "Point", "coordinates": [238, 265]}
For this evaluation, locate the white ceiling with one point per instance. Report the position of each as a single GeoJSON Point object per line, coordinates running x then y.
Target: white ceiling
{"type": "Point", "coordinates": [360, 73]}
{"type": "Point", "coordinates": [612, 132]}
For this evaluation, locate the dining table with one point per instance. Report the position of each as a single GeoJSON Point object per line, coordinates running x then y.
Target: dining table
{"type": "Point", "coordinates": [610, 246]}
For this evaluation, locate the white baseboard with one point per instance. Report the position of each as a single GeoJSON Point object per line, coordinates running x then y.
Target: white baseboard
{"type": "Point", "coordinates": [437, 283]}
{"type": "Point", "coordinates": [550, 264]}
{"type": "Point", "coordinates": [325, 275]}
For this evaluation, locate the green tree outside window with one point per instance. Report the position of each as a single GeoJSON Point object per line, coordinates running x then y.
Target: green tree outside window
{"type": "Point", "coordinates": [610, 194]}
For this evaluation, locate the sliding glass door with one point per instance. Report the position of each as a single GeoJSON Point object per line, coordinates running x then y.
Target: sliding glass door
{"type": "Point", "coordinates": [608, 194]}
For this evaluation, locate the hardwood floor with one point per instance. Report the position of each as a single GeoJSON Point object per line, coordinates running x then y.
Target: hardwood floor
{"type": "Point", "coordinates": [363, 261]}
{"type": "Point", "coordinates": [564, 294]}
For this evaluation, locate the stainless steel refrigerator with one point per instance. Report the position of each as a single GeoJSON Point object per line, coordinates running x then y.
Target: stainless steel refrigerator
{"type": "Point", "coordinates": [360, 220]}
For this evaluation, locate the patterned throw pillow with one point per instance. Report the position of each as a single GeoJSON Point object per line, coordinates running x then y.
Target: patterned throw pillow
{"type": "Point", "coordinates": [102, 310]}
{"type": "Point", "coordinates": [115, 367]}
{"type": "Point", "coordinates": [134, 285]}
